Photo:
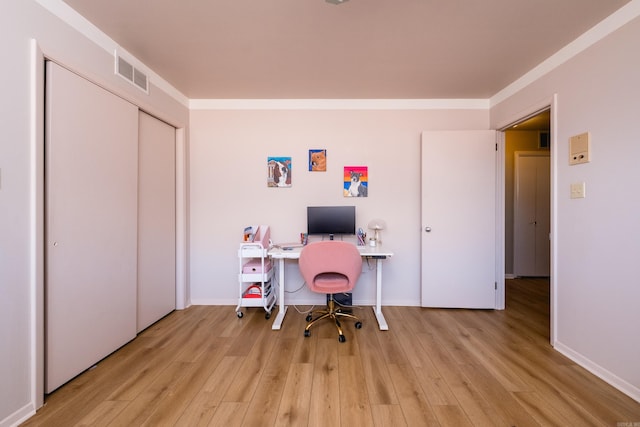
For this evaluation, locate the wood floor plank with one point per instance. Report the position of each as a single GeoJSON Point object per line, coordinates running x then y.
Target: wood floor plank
{"type": "Point", "coordinates": [388, 416]}
{"type": "Point", "coordinates": [205, 366]}
{"type": "Point", "coordinates": [230, 414]}
{"type": "Point", "coordinates": [451, 415]}
{"type": "Point", "coordinates": [270, 389]}
{"type": "Point", "coordinates": [258, 352]}
{"type": "Point", "coordinates": [188, 386]}
{"type": "Point", "coordinates": [156, 394]}
{"type": "Point", "coordinates": [355, 409]}
{"type": "Point", "coordinates": [505, 405]}
{"type": "Point", "coordinates": [294, 405]}
{"type": "Point", "coordinates": [324, 406]}
{"type": "Point", "coordinates": [103, 414]}
{"type": "Point", "coordinates": [415, 406]}
{"type": "Point", "coordinates": [547, 415]}
{"type": "Point", "coordinates": [477, 408]}
{"type": "Point", "coordinates": [379, 384]}
{"type": "Point", "coordinates": [204, 404]}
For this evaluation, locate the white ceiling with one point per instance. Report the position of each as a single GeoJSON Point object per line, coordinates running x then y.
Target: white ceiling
{"type": "Point", "coordinates": [361, 49]}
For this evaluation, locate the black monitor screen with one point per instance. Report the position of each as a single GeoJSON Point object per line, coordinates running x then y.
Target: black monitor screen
{"type": "Point", "coordinates": [331, 220]}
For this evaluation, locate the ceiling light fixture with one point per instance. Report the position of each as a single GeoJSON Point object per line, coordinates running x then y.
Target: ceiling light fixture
{"type": "Point", "coordinates": [336, 1]}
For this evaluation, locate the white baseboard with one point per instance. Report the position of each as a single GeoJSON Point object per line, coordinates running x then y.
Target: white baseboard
{"type": "Point", "coordinates": [234, 302]}
{"type": "Point", "coordinates": [510, 276]}
{"type": "Point", "coordinates": [18, 417]}
{"type": "Point", "coordinates": [602, 373]}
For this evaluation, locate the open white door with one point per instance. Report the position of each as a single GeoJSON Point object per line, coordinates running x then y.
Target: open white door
{"type": "Point", "coordinates": [458, 219]}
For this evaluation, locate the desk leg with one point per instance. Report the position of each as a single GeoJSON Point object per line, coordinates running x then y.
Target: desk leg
{"type": "Point", "coordinates": [282, 310]}
{"type": "Point", "coordinates": [377, 310]}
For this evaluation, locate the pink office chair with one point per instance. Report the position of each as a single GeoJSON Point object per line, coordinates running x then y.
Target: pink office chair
{"type": "Point", "coordinates": [330, 267]}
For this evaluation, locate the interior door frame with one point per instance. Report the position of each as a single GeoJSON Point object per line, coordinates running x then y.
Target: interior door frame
{"type": "Point", "coordinates": [550, 104]}
{"type": "Point", "coordinates": [38, 56]}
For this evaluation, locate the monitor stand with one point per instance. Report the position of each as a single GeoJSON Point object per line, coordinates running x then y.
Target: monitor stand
{"type": "Point", "coordinates": [330, 236]}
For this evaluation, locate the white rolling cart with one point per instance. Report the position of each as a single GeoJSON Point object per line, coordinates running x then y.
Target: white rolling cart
{"type": "Point", "coordinates": [255, 275]}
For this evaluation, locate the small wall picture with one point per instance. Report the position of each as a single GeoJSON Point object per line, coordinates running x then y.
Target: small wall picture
{"type": "Point", "coordinates": [317, 160]}
{"type": "Point", "coordinates": [356, 181]}
{"type": "Point", "coordinates": [279, 172]}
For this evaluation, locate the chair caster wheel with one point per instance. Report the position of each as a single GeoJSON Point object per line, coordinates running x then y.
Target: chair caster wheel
{"type": "Point", "coordinates": [240, 314]}
{"type": "Point", "coordinates": [267, 316]}
{"type": "Point", "coordinates": [341, 338]}
{"type": "Point", "coordinates": [309, 317]}
{"type": "Point", "coordinates": [307, 333]}
{"type": "Point", "coordinates": [358, 325]}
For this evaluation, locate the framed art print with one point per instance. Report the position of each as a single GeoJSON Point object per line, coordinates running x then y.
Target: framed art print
{"type": "Point", "coordinates": [356, 181]}
{"type": "Point", "coordinates": [279, 172]}
{"type": "Point", "coordinates": [317, 160]}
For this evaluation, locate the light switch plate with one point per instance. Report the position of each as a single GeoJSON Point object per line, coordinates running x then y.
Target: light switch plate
{"type": "Point", "coordinates": [578, 190]}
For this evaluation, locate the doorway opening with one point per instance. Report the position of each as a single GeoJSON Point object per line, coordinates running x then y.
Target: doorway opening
{"type": "Point", "coordinates": [527, 197]}
{"type": "Point", "coordinates": [532, 134]}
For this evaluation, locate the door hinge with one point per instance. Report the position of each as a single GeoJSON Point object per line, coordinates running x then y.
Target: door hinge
{"type": "Point", "coordinates": [496, 146]}
{"type": "Point", "coordinates": [495, 286]}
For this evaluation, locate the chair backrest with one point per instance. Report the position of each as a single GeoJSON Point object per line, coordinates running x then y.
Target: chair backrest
{"type": "Point", "coordinates": [322, 262]}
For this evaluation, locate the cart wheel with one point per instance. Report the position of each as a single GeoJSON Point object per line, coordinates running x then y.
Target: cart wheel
{"type": "Point", "coordinates": [358, 325]}
{"type": "Point", "coordinates": [267, 315]}
{"type": "Point", "coordinates": [240, 314]}
{"type": "Point", "coordinates": [341, 338]}
{"type": "Point", "coordinates": [307, 333]}
{"type": "Point", "coordinates": [309, 317]}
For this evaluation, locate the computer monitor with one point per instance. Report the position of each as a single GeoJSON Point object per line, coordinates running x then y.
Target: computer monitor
{"type": "Point", "coordinates": [331, 220]}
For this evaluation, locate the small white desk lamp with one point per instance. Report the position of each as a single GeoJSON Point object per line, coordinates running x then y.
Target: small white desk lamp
{"type": "Point", "coordinates": [377, 225]}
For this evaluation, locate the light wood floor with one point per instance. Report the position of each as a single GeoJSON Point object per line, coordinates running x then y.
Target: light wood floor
{"type": "Point", "coordinates": [204, 366]}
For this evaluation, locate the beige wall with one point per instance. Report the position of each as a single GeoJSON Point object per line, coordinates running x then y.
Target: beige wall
{"type": "Point", "coordinates": [597, 239]}
{"type": "Point", "coordinates": [229, 151]}
{"type": "Point", "coordinates": [21, 178]}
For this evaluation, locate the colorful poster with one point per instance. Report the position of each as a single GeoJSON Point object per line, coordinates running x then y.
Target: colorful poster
{"type": "Point", "coordinates": [317, 160]}
{"type": "Point", "coordinates": [356, 181]}
{"type": "Point", "coordinates": [279, 172]}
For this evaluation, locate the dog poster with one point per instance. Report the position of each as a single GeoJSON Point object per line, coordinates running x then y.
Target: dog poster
{"type": "Point", "coordinates": [279, 172]}
{"type": "Point", "coordinates": [356, 181]}
{"type": "Point", "coordinates": [317, 160]}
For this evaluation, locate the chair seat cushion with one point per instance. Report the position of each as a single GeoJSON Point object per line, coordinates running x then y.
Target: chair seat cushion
{"type": "Point", "coordinates": [331, 282]}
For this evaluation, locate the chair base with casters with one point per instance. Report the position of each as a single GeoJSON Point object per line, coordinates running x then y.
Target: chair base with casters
{"type": "Point", "coordinates": [332, 312]}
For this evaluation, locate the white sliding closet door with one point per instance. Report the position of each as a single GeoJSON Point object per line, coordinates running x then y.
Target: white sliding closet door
{"type": "Point", "coordinates": [156, 220]}
{"type": "Point", "coordinates": [91, 224]}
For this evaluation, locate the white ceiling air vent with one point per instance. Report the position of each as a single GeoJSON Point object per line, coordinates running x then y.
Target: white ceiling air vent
{"type": "Point", "coordinates": [130, 73]}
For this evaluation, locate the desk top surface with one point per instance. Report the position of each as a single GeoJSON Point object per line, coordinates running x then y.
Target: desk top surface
{"type": "Point", "coordinates": [365, 251]}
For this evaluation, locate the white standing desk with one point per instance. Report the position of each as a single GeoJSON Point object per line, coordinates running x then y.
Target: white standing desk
{"type": "Point", "coordinates": [374, 252]}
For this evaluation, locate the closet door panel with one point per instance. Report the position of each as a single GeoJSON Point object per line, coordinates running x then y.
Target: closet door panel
{"type": "Point", "coordinates": [156, 220]}
{"type": "Point", "coordinates": [91, 224]}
